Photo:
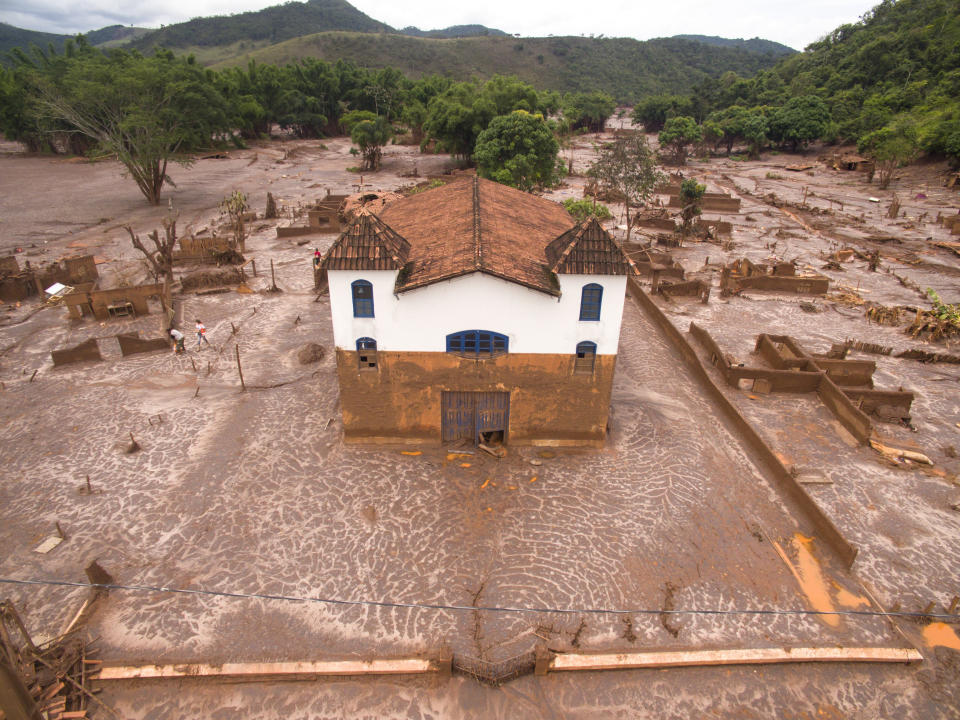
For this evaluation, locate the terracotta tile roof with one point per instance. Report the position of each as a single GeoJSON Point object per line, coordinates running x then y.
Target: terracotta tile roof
{"type": "Point", "coordinates": [367, 244]}
{"type": "Point", "coordinates": [588, 249]}
{"type": "Point", "coordinates": [476, 225]}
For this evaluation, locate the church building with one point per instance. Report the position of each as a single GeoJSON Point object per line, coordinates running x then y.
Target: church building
{"type": "Point", "coordinates": [475, 311]}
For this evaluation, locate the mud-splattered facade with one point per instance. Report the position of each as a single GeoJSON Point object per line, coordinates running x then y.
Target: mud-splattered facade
{"type": "Point", "coordinates": [476, 312]}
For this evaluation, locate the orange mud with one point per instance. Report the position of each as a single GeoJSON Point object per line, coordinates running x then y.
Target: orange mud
{"type": "Point", "coordinates": [938, 633]}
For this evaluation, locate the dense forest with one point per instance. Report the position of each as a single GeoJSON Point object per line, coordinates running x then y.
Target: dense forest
{"type": "Point", "coordinates": [890, 82]}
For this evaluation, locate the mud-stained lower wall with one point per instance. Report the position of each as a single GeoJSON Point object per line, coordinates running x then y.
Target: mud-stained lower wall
{"type": "Point", "coordinates": [401, 400]}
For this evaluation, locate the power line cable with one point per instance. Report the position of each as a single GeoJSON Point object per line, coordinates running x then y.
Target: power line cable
{"type": "Point", "coordinates": [472, 608]}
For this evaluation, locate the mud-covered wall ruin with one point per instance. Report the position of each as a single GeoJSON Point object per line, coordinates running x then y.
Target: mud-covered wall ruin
{"type": "Point", "coordinates": [102, 304]}
{"type": "Point", "coordinates": [85, 351]}
{"type": "Point", "coordinates": [767, 459]}
{"type": "Point", "coordinates": [401, 400]}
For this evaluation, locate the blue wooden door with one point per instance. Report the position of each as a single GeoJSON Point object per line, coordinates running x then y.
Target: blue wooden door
{"type": "Point", "coordinates": [493, 410]}
{"type": "Point", "coordinates": [468, 414]}
{"type": "Point", "coordinates": [459, 416]}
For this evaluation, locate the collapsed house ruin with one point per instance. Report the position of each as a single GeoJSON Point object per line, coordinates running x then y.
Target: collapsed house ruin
{"type": "Point", "coordinates": [844, 386]}
{"type": "Point", "coordinates": [743, 274]}
{"type": "Point", "coordinates": [20, 284]}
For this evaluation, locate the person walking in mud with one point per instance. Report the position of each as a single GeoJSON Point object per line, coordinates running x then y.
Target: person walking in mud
{"type": "Point", "coordinates": [201, 334]}
{"type": "Point", "coordinates": [177, 338]}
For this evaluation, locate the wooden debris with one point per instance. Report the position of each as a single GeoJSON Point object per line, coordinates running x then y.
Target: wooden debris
{"type": "Point", "coordinates": [898, 453]}
{"type": "Point", "coordinates": [50, 676]}
{"type": "Point", "coordinates": [497, 452]}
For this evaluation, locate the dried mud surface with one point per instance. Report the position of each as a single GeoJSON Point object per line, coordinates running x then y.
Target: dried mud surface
{"type": "Point", "coordinates": [255, 492]}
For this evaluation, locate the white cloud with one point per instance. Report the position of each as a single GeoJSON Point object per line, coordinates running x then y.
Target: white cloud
{"type": "Point", "coordinates": [792, 23]}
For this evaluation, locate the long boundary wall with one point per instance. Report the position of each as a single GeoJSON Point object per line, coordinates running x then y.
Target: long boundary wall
{"type": "Point", "coordinates": [768, 461]}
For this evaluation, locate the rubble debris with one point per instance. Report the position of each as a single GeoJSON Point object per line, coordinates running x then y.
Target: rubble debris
{"type": "Point", "coordinates": [928, 357]}
{"type": "Point", "coordinates": [897, 453]}
{"type": "Point", "coordinates": [210, 278]}
{"type": "Point", "coordinates": [52, 679]}
{"type": "Point", "coordinates": [931, 326]}
{"type": "Point", "coordinates": [882, 315]}
{"type": "Point", "coordinates": [372, 202]}
{"type": "Point", "coordinates": [871, 348]}
{"type": "Point", "coordinates": [498, 451]}
{"type": "Point", "coordinates": [310, 353]}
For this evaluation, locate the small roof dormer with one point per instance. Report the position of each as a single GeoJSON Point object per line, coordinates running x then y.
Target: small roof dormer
{"type": "Point", "coordinates": [367, 244]}
{"type": "Point", "coordinates": [588, 249]}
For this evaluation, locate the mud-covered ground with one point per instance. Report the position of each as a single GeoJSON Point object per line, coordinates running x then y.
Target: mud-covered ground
{"type": "Point", "coordinates": [255, 492]}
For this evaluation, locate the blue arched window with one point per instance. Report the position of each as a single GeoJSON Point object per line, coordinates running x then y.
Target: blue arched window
{"type": "Point", "coordinates": [590, 301]}
{"type": "Point", "coordinates": [586, 356]}
{"type": "Point", "coordinates": [367, 353]}
{"type": "Point", "coordinates": [362, 298]}
{"type": "Point", "coordinates": [477, 343]}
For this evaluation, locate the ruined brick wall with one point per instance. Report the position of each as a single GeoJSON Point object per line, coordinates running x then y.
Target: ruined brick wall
{"type": "Point", "coordinates": [401, 399]}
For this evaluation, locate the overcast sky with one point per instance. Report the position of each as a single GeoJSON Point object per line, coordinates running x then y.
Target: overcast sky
{"type": "Point", "coordinates": [794, 23]}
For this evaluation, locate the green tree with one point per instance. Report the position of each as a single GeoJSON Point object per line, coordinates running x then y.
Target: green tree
{"type": "Point", "coordinates": [679, 133]}
{"type": "Point", "coordinates": [456, 117]}
{"type": "Point", "coordinates": [654, 111]}
{"type": "Point", "coordinates": [890, 147]}
{"type": "Point", "coordinates": [520, 150]}
{"type": "Point", "coordinates": [627, 168]}
{"type": "Point", "coordinates": [148, 111]}
{"type": "Point", "coordinates": [691, 195]}
{"type": "Point", "coordinates": [754, 129]}
{"type": "Point", "coordinates": [588, 110]}
{"type": "Point", "coordinates": [369, 132]}
{"type": "Point", "coordinates": [587, 207]}
{"type": "Point", "coordinates": [800, 121]}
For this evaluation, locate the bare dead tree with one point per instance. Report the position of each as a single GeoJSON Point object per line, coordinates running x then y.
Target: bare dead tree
{"type": "Point", "coordinates": [161, 256]}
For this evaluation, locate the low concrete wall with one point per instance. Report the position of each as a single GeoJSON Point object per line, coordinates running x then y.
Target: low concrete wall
{"type": "Point", "coordinates": [87, 350]}
{"type": "Point", "coordinates": [801, 285]}
{"type": "Point", "coordinates": [776, 380]}
{"type": "Point", "coordinates": [712, 203]}
{"type": "Point", "coordinates": [693, 288]}
{"type": "Point", "coordinates": [853, 419]}
{"type": "Point", "coordinates": [883, 403]}
{"type": "Point", "coordinates": [766, 458]}
{"type": "Point", "coordinates": [132, 343]}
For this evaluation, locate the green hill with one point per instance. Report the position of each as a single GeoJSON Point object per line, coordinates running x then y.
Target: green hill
{"type": "Point", "coordinates": [11, 37]}
{"type": "Point", "coordinates": [115, 35]}
{"type": "Point", "coordinates": [272, 24]}
{"type": "Point", "coordinates": [454, 31]}
{"type": "Point", "coordinates": [627, 69]}
{"type": "Point", "coordinates": [757, 45]}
